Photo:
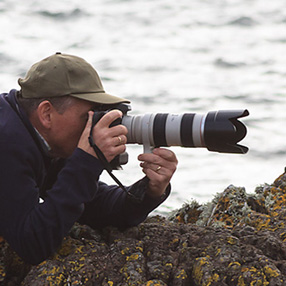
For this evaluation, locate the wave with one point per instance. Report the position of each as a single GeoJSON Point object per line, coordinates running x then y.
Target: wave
{"type": "Point", "coordinates": [267, 154]}
{"type": "Point", "coordinates": [243, 21]}
{"type": "Point", "coordinates": [5, 59]}
{"type": "Point", "coordinates": [75, 13]}
{"type": "Point", "coordinates": [226, 64]}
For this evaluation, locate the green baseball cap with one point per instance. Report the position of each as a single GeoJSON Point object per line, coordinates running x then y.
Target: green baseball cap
{"type": "Point", "coordinates": [62, 74]}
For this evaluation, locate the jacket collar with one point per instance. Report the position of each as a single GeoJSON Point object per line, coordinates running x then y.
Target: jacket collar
{"type": "Point", "coordinates": [42, 144]}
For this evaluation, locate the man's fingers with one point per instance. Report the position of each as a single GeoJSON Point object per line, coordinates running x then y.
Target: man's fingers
{"type": "Point", "coordinates": [157, 156]}
{"type": "Point", "coordinates": [109, 117]}
{"type": "Point", "coordinates": [105, 122]}
{"type": "Point", "coordinates": [153, 167]}
{"type": "Point", "coordinates": [88, 124]}
{"type": "Point", "coordinates": [165, 154]}
{"type": "Point", "coordinates": [120, 140]}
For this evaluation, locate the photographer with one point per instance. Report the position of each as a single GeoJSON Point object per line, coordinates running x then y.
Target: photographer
{"type": "Point", "coordinates": [45, 153]}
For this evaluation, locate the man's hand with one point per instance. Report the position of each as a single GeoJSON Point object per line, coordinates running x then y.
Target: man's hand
{"type": "Point", "coordinates": [110, 140]}
{"type": "Point", "coordinates": [159, 166]}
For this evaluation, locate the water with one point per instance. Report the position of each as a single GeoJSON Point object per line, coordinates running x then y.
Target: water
{"type": "Point", "coordinates": [171, 56]}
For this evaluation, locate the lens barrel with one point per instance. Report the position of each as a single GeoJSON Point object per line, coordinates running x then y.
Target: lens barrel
{"type": "Point", "coordinates": [218, 131]}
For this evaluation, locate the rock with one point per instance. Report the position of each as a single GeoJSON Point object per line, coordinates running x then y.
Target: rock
{"type": "Point", "coordinates": [236, 239]}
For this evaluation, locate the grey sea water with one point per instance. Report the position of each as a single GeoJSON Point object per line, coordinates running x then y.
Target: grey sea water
{"type": "Point", "coordinates": [174, 57]}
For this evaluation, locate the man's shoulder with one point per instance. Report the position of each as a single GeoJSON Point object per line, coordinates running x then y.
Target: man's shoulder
{"type": "Point", "coordinates": [11, 127]}
{"type": "Point", "coordinates": [13, 133]}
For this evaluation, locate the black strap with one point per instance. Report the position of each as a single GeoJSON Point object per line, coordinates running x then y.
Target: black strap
{"type": "Point", "coordinates": [103, 160]}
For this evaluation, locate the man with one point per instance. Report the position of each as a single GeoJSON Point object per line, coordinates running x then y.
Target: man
{"type": "Point", "coordinates": [45, 153]}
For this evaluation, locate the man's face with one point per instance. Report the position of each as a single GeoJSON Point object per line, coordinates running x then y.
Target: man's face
{"type": "Point", "coordinates": [67, 128]}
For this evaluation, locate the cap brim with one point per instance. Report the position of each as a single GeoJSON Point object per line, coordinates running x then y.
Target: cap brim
{"type": "Point", "coordinates": [102, 98]}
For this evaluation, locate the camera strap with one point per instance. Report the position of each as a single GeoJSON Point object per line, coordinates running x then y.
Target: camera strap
{"type": "Point", "coordinates": [107, 166]}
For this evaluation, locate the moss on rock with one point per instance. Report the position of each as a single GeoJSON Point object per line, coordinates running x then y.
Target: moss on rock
{"type": "Point", "coordinates": [236, 239]}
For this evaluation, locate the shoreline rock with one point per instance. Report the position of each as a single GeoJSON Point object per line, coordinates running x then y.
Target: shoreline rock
{"type": "Point", "coordinates": [236, 239]}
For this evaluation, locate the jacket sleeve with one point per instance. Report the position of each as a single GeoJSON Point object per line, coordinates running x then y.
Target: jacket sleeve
{"type": "Point", "coordinates": [35, 230]}
{"type": "Point", "coordinates": [111, 206]}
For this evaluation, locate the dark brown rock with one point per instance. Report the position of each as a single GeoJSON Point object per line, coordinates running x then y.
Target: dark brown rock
{"type": "Point", "coordinates": [236, 239]}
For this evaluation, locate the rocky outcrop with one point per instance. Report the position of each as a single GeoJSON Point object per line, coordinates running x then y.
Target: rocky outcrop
{"type": "Point", "coordinates": [236, 239]}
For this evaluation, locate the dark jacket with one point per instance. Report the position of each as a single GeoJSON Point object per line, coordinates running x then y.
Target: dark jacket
{"type": "Point", "coordinates": [71, 190]}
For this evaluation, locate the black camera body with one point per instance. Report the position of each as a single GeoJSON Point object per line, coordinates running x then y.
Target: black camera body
{"type": "Point", "coordinates": [218, 131]}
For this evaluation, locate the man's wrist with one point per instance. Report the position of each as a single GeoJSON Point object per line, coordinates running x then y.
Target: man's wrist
{"type": "Point", "coordinates": [161, 196]}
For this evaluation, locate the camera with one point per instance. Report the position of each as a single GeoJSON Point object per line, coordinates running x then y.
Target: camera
{"type": "Point", "coordinates": [218, 131]}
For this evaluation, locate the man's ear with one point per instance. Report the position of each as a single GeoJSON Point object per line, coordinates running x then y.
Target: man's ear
{"type": "Point", "coordinates": [44, 113]}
